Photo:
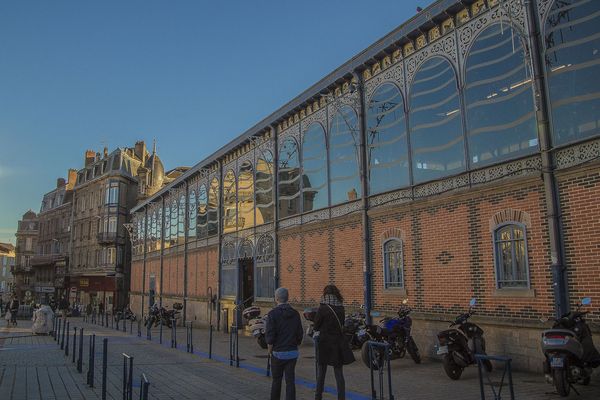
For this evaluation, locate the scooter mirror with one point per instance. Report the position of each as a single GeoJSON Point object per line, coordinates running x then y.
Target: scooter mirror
{"type": "Point", "coordinates": [473, 302]}
{"type": "Point", "coordinates": [405, 301]}
{"type": "Point", "coordinates": [586, 301]}
{"type": "Point", "coordinates": [375, 313]}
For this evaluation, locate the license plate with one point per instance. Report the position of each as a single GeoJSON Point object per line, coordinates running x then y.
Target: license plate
{"type": "Point", "coordinates": [442, 350]}
{"type": "Point", "coordinates": [557, 362]}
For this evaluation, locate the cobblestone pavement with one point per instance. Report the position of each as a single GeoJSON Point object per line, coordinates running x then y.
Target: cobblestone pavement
{"type": "Point", "coordinates": [175, 374]}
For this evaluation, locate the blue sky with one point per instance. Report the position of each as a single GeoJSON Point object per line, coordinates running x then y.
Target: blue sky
{"type": "Point", "coordinates": [191, 74]}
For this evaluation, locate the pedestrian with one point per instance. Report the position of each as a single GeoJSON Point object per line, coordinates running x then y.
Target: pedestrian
{"type": "Point", "coordinates": [101, 308]}
{"type": "Point", "coordinates": [63, 306]}
{"type": "Point", "coordinates": [283, 334]}
{"type": "Point", "coordinates": [13, 306]}
{"type": "Point", "coordinates": [88, 310]}
{"type": "Point", "coordinates": [331, 343]}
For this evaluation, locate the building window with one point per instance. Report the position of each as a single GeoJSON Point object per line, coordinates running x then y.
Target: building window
{"type": "Point", "coordinates": [229, 203]}
{"type": "Point", "coordinates": [572, 64]}
{"type": "Point", "coordinates": [245, 196]}
{"type": "Point", "coordinates": [289, 178]}
{"type": "Point", "coordinates": [112, 193]}
{"type": "Point", "coordinates": [228, 270]}
{"type": "Point", "coordinates": [112, 225]}
{"type": "Point", "coordinates": [436, 132]}
{"type": "Point", "coordinates": [202, 212]}
{"type": "Point", "coordinates": [28, 244]}
{"type": "Point", "coordinates": [264, 188]}
{"type": "Point", "coordinates": [510, 251]}
{"type": "Point", "coordinates": [393, 264]}
{"type": "Point", "coordinates": [315, 190]}
{"type": "Point", "coordinates": [500, 114]}
{"type": "Point", "coordinates": [213, 208]}
{"type": "Point", "coordinates": [344, 159]}
{"type": "Point", "coordinates": [265, 267]}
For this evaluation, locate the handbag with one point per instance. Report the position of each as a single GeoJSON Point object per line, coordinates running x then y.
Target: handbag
{"type": "Point", "coordinates": [347, 354]}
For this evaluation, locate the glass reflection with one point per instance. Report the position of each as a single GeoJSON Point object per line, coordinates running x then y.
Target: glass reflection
{"type": "Point", "coordinates": [344, 158]}
{"type": "Point", "coordinates": [192, 215]}
{"type": "Point", "coordinates": [167, 225]}
{"type": "Point", "coordinates": [213, 208]}
{"type": "Point", "coordinates": [264, 188]}
{"type": "Point", "coordinates": [229, 203]}
{"type": "Point", "coordinates": [499, 98]}
{"type": "Point", "coordinates": [436, 133]}
{"type": "Point", "coordinates": [387, 142]}
{"type": "Point", "coordinates": [181, 221]}
{"type": "Point", "coordinates": [202, 212]}
{"type": "Point", "coordinates": [573, 65]}
{"type": "Point", "coordinates": [245, 195]}
{"type": "Point", "coordinates": [289, 178]}
{"type": "Point", "coordinates": [174, 218]}
{"type": "Point", "coordinates": [314, 166]}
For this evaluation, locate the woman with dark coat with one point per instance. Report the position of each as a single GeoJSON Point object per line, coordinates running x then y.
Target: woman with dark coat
{"type": "Point", "coordinates": [329, 321]}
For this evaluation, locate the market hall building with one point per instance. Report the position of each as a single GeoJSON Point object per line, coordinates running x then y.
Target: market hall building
{"type": "Point", "coordinates": [456, 157]}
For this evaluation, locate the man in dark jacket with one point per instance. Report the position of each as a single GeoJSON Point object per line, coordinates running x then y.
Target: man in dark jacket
{"type": "Point", "coordinates": [283, 335]}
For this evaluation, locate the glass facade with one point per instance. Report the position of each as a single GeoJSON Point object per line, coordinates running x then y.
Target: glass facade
{"type": "Point", "coordinates": [245, 196]}
{"type": "Point", "coordinates": [202, 230]}
{"type": "Point", "coordinates": [572, 60]}
{"type": "Point", "coordinates": [264, 188]}
{"type": "Point", "coordinates": [386, 140]}
{"type": "Point", "coordinates": [499, 98]}
{"type": "Point", "coordinates": [289, 178]}
{"type": "Point", "coordinates": [436, 133]}
{"type": "Point", "coordinates": [192, 213]}
{"type": "Point", "coordinates": [315, 193]}
{"type": "Point", "coordinates": [344, 162]}
{"type": "Point", "coordinates": [213, 207]}
{"type": "Point", "coordinates": [229, 203]}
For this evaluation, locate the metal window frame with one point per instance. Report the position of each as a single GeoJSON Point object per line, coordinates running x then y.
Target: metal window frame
{"type": "Point", "coordinates": [386, 284]}
{"type": "Point", "coordinates": [497, 263]}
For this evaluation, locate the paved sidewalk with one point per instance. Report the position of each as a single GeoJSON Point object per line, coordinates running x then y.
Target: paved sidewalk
{"type": "Point", "coordinates": [34, 367]}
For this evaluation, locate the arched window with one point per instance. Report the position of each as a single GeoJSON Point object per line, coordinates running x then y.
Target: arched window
{"type": "Point", "coordinates": [229, 203]}
{"type": "Point", "coordinates": [387, 142]}
{"type": "Point", "coordinates": [436, 133]}
{"type": "Point", "coordinates": [499, 98]}
{"type": "Point", "coordinates": [289, 178]}
{"type": "Point", "coordinates": [213, 208]}
{"type": "Point", "coordinates": [246, 249]}
{"type": "Point", "coordinates": [228, 270]}
{"type": "Point", "coordinates": [344, 158]}
{"type": "Point", "coordinates": [167, 225]}
{"type": "Point", "coordinates": [174, 217]}
{"type": "Point", "coordinates": [192, 212]}
{"type": "Point", "coordinates": [265, 267]}
{"type": "Point", "coordinates": [245, 196]}
{"type": "Point", "coordinates": [314, 169]}
{"type": "Point", "coordinates": [393, 264]}
{"type": "Point", "coordinates": [573, 65]}
{"type": "Point", "coordinates": [202, 212]}
{"type": "Point", "coordinates": [181, 220]}
{"type": "Point", "coordinates": [510, 252]}
{"type": "Point", "coordinates": [154, 239]}
{"type": "Point", "coordinates": [264, 188]}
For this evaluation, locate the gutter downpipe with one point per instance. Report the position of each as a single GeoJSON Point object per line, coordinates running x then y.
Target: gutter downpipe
{"type": "Point", "coordinates": [220, 243]}
{"type": "Point", "coordinates": [559, 276]}
{"type": "Point", "coordinates": [162, 246]}
{"type": "Point", "coordinates": [276, 202]}
{"type": "Point", "coordinates": [367, 271]}
{"type": "Point", "coordinates": [186, 224]}
{"type": "Point", "coordinates": [144, 262]}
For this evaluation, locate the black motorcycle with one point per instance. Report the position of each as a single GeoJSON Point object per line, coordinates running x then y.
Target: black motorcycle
{"type": "Point", "coordinates": [454, 344]}
{"type": "Point", "coordinates": [125, 314]}
{"type": "Point", "coordinates": [396, 332]}
{"type": "Point", "coordinates": [353, 324]}
{"type": "Point", "coordinates": [160, 315]}
{"type": "Point", "coordinates": [570, 352]}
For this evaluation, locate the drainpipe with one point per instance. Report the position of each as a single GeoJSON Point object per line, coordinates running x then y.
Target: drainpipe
{"type": "Point", "coordinates": [367, 272]}
{"type": "Point", "coordinates": [144, 261]}
{"type": "Point", "coordinates": [162, 247]}
{"type": "Point", "coordinates": [275, 202]}
{"type": "Point", "coordinates": [220, 242]}
{"type": "Point", "coordinates": [186, 225]}
{"type": "Point", "coordinates": [559, 276]}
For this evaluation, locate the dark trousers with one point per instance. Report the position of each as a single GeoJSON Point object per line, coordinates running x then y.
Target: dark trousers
{"type": "Point", "coordinates": [279, 368]}
{"type": "Point", "coordinates": [339, 381]}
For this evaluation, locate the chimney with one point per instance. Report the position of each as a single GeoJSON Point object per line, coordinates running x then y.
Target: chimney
{"type": "Point", "coordinates": [105, 151]}
{"type": "Point", "coordinates": [140, 150]}
{"type": "Point", "coordinates": [72, 178]}
{"type": "Point", "coordinates": [89, 157]}
{"type": "Point", "coordinates": [60, 182]}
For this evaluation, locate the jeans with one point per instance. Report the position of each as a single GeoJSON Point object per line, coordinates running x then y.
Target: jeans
{"type": "Point", "coordinates": [279, 368]}
{"type": "Point", "coordinates": [339, 382]}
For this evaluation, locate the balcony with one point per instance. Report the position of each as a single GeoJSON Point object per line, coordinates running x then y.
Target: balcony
{"type": "Point", "coordinates": [106, 237]}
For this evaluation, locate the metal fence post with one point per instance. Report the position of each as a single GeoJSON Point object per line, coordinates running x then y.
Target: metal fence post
{"type": "Point", "coordinates": [507, 370]}
{"type": "Point", "coordinates": [67, 334]}
{"type": "Point", "coordinates": [173, 334]}
{"type": "Point", "coordinates": [160, 333]}
{"type": "Point", "coordinates": [57, 336]}
{"type": "Point", "coordinates": [144, 384]}
{"type": "Point", "coordinates": [127, 388]}
{"type": "Point", "coordinates": [74, 343]}
{"type": "Point", "coordinates": [383, 358]}
{"type": "Point", "coordinates": [80, 359]}
{"type": "Point", "coordinates": [210, 337]}
{"type": "Point", "coordinates": [92, 360]}
{"type": "Point", "coordinates": [104, 365]}
{"type": "Point", "coordinates": [149, 331]}
{"type": "Point", "coordinates": [139, 324]}
{"type": "Point", "coordinates": [62, 337]}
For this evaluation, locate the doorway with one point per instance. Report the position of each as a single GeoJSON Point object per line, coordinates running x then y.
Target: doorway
{"type": "Point", "coordinates": [246, 284]}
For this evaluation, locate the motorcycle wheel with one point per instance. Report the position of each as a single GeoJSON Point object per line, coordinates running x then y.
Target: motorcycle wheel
{"type": "Point", "coordinates": [262, 342]}
{"type": "Point", "coordinates": [559, 375]}
{"type": "Point", "coordinates": [376, 359]}
{"type": "Point", "coordinates": [453, 370]}
{"type": "Point", "coordinates": [413, 350]}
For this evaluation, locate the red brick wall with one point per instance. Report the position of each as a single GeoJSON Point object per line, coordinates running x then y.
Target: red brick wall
{"type": "Point", "coordinates": [202, 271]}
{"type": "Point", "coordinates": [137, 270]}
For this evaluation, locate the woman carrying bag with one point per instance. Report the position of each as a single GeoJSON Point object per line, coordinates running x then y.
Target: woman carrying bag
{"type": "Point", "coordinates": [332, 346]}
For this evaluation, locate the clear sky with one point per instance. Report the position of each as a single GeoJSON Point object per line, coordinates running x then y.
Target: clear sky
{"type": "Point", "coordinates": [192, 74]}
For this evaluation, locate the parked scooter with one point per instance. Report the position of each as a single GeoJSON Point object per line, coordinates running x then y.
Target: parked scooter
{"type": "Point", "coordinates": [256, 324]}
{"type": "Point", "coordinates": [396, 332]}
{"type": "Point", "coordinates": [455, 347]}
{"type": "Point", "coordinates": [569, 350]}
{"type": "Point", "coordinates": [125, 314]}
{"type": "Point", "coordinates": [160, 315]}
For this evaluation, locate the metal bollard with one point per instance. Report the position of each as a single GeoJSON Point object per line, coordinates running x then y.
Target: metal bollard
{"type": "Point", "coordinates": [130, 327]}
{"type": "Point", "coordinates": [316, 342]}
{"type": "Point", "coordinates": [234, 347]}
{"type": "Point", "coordinates": [74, 342]}
{"type": "Point", "coordinates": [149, 331]}
{"type": "Point", "coordinates": [383, 358]}
{"type": "Point", "coordinates": [92, 360]}
{"type": "Point", "coordinates": [80, 359]}
{"type": "Point", "coordinates": [144, 384]}
{"type": "Point", "coordinates": [112, 322]}
{"type": "Point", "coordinates": [139, 324]}
{"type": "Point", "coordinates": [117, 323]}
{"type": "Point", "coordinates": [160, 333]}
{"type": "Point", "coordinates": [124, 325]}
{"type": "Point", "coordinates": [127, 378]}
{"type": "Point", "coordinates": [104, 365]}
{"type": "Point", "coordinates": [189, 347]}
{"type": "Point", "coordinates": [56, 333]}
{"type": "Point", "coordinates": [62, 341]}
{"type": "Point", "coordinates": [173, 334]}
{"type": "Point", "coordinates": [268, 365]}
{"type": "Point", "coordinates": [210, 337]}
{"type": "Point", "coordinates": [67, 344]}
